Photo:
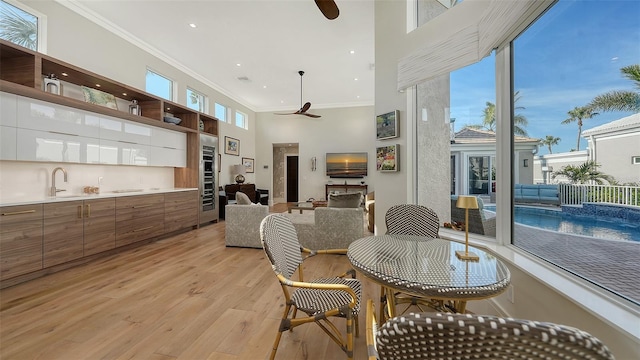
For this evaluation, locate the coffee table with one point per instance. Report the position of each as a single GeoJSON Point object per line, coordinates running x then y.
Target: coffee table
{"type": "Point", "coordinates": [307, 205]}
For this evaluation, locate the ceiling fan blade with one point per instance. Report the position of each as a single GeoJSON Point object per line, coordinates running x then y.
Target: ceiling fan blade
{"type": "Point", "coordinates": [305, 107]}
{"type": "Point", "coordinates": [329, 8]}
{"type": "Point", "coordinates": [293, 113]}
{"type": "Point", "coordinates": [311, 115]}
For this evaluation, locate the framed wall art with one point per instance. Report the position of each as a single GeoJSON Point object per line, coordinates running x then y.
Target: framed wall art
{"type": "Point", "coordinates": [98, 97]}
{"type": "Point", "coordinates": [387, 125]}
{"type": "Point", "coordinates": [231, 146]}
{"type": "Point", "coordinates": [387, 158]}
{"type": "Point", "coordinates": [248, 164]}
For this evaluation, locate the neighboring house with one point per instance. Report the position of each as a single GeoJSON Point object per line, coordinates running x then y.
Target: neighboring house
{"type": "Point", "coordinates": [473, 154]}
{"type": "Point", "coordinates": [616, 147]}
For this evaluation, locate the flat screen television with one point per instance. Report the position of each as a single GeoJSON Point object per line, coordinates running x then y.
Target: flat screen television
{"type": "Point", "coordinates": [346, 165]}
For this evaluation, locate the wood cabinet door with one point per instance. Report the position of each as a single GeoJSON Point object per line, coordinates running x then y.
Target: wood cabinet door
{"type": "Point", "coordinates": [180, 210]}
{"type": "Point", "coordinates": [63, 232]}
{"type": "Point", "coordinates": [20, 240]}
{"type": "Point", "coordinates": [99, 225]}
{"type": "Point", "coordinates": [138, 218]}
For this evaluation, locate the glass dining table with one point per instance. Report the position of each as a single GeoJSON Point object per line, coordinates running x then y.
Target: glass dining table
{"type": "Point", "coordinates": [429, 269]}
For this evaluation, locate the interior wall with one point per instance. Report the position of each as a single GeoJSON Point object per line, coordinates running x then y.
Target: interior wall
{"type": "Point", "coordinates": [349, 129]}
{"type": "Point", "coordinates": [80, 42]}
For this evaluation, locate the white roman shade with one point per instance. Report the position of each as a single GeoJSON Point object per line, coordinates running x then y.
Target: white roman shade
{"type": "Point", "coordinates": [500, 22]}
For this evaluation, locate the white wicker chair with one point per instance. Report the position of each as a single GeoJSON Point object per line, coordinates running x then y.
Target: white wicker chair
{"type": "Point", "coordinates": [410, 219]}
{"type": "Point", "coordinates": [444, 336]}
{"type": "Point", "coordinates": [320, 299]}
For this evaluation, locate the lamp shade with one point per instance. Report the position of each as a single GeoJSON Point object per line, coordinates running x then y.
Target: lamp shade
{"type": "Point", "coordinates": [239, 169]}
{"type": "Point", "coordinates": [467, 202]}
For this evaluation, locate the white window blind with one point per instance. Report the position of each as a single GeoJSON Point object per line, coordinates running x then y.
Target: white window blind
{"type": "Point", "coordinates": [500, 22]}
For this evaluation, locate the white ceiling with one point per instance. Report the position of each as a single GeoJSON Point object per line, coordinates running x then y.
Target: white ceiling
{"type": "Point", "coordinates": [271, 40]}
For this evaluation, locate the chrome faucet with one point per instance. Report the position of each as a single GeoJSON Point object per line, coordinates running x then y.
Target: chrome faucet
{"type": "Point", "coordinates": [54, 191]}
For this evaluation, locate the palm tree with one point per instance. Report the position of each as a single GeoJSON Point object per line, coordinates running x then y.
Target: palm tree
{"type": "Point", "coordinates": [578, 114]}
{"type": "Point", "coordinates": [582, 174]}
{"type": "Point", "coordinates": [489, 118]}
{"type": "Point", "coordinates": [549, 141]}
{"type": "Point", "coordinates": [621, 100]}
{"type": "Point", "coordinates": [16, 28]}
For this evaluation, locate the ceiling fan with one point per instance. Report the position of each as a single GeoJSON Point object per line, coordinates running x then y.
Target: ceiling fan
{"type": "Point", "coordinates": [329, 8]}
{"type": "Point", "coordinates": [303, 108]}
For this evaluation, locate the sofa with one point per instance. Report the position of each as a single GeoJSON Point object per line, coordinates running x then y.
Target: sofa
{"type": "Point", "coordinates": [328, 227]}
{"type": "Point", "coordinates": [479, 222]}
{"type": "Point", "coordinates": [242, 224]}
{"type": "Point", "coordinates": [536, 193]}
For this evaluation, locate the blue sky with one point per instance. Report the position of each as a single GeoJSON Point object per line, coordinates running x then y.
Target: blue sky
{"type": "Point", "coordinates": [570, 55]}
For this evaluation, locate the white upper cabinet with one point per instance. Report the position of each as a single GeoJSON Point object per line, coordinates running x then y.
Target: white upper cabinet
{"type": "Point", "coordinates": [36, 145]}
{"type": "Point", "coordinates": [39, 115]}
{"type": "Point", "coordinates": [168, 138]}
{"type": "Point", "coordinates": [7, 109]}
{"type": "Point", "coordinates": [123, 130]}
{"type": "Point", "coordinates": [8, 145]}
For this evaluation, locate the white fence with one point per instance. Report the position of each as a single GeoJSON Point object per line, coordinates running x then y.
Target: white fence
{"type": "Point", "coordinates": [576, 194]}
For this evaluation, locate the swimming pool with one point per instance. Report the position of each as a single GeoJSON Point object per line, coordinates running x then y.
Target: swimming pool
{"type": "Point", "coordinates": [587, 225]}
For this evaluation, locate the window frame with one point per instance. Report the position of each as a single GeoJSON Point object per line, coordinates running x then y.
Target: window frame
{"type": "Point", "coordinates": [245, 120]}
{"type": "Point", "coordinates": [41, 41]}
{"type": "Point", "coordinates": [203, 100]}
{"type": "Point", "coordinates": [225, 118]}
{"type": "Point", "coordinates": [172, 88]}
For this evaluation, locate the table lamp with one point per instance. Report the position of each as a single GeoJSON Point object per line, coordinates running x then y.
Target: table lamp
{"type": "Point", "coordinates": [466, 203]}
{"type": "Point", "coordinates": [239, 170]}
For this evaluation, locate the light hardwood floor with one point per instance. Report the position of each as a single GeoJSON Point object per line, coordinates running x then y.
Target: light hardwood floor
{"type": "Point", "coordinates": [183, 297]}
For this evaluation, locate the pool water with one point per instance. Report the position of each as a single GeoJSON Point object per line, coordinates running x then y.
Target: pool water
{"type": "Point", "coordinates": [587, 225]}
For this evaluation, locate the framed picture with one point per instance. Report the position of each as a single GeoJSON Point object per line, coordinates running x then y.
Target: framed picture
{"type": "Point", "coordinates": [98, 97]}
{"type": "Point", "coordinates": [248, 164]}
{"type": "Point", "coordinates": [387, 125]}
{"type": "Point", "coordinates": [231, 146]}
{"type": "Point", "coordinates": [387, 158]}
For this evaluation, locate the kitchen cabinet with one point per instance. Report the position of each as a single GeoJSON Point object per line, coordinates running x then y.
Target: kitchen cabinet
{"type": "Point", "coordinates": [99, 225]}
{"type": "Point", "coordinates": [20, 240]}
{"type": "Point", "coordinates": [41, 115]}
{"type": "Point", "coordinates": [8, 143]}
{"type": "Point", "coordinates": [63, 232]}
{"type": "Point", "coordinates": [138, 218]}
{"type": "Point", "coordinates": [7, 109]}
{"type": "Point", "coordinates": [180, 210]}
{"type": "Point", "coordinates": [37, 145]}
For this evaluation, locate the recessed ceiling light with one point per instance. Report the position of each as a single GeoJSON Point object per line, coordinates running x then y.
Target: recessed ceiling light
{"type": "Point", "coordinates": [356, 79]}
{"type": "Point", "coordinates": [124, 94]}
{"type": "Point", "coordinates": [97, 85]}
{"type": "Point", "coordinates": [281, 101]}
{"type": "Point", "coordinates": [65, 74]}
{"type": "Point", "coordinates": [264, 86]}
{"type": "Point", "coordinates": [192, 25]}
{"type": "Point", "coordinates": [352, 52]}
{"type": "Point", "coordinates": [238, 64]}
{"type": "Point", "coordinates": [358, 97]}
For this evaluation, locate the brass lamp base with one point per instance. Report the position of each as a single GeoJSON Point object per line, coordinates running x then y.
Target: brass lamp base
{"type": "Point", "coordinates": [467, 256]}
{"type": "Point", "coordinates": [239, 179]}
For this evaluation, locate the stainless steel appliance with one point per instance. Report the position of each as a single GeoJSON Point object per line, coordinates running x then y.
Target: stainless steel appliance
{"type": "Point", "coordinates": [208, 174]}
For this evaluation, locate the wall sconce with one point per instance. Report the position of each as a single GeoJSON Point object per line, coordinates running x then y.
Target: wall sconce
{"type": "Point", "coordinates": [313, 164]}
{"type": "Point", "coordinates": [526, 162]}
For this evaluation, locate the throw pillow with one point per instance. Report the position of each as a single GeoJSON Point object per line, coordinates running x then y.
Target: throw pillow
{"type": "Point", "coordinates": [345, 200]}
{"type": "Point", "coordinates": [242, 198]}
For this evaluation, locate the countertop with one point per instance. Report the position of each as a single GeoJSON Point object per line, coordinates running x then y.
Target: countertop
{"type": "Point", "coordinates": [29, 200]}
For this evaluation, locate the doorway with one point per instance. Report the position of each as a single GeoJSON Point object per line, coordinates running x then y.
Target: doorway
{"type": "Point", "coordinates": [292, 178]}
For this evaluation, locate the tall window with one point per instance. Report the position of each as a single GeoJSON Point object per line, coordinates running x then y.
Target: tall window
{"type": "Point", "coordinates": [196, 100]}
{"type": "Point", "coordinates": [20, 25]}
{"type": "Point", "coordinates": [221, 112]}
{"type": "Point", "coordinates": [159, 85]}
{"type": "Point", "coordinates": [568, 67]}
{"type": "Point", "coordinates": [241, 120]}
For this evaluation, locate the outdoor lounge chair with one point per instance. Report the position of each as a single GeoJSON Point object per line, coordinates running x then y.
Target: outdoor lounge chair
{"type": "Point", "coordinates": [479, 223]}
{"type": "Point", "coordinates": [440, 336]}
{"type": "Point", "coordinates": [320, 299]}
